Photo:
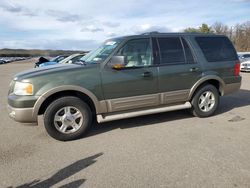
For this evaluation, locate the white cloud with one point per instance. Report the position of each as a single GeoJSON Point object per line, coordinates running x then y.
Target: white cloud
{"type": "Point", "coordinates": [38, 23]}
{"type": "Point", "coordinates": [144, 28]}
{"type": "Point", "coordinates": [92, 28]}
{"type": "Point", "coordinates": [111, 24]}
{"type": "Point", "coordinates": [68, 44]}
{"type": "Point", "coordinates": [240, 0]}
{"type": "Point", "coordinates": [63, 16]}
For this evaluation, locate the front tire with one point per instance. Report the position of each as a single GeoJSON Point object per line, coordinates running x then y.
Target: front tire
{"type": "Point", "coordinates": [205, 101]}
{"type": "Point", "coordinates": [67, 118]}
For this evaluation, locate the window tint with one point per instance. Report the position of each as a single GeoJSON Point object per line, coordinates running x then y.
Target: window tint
{"type": "Point", "coordinates": [188, 53]}
{"type": "Point", "coordinates": [217, 48]}
{"type": "Point", "coordinates": [137, 53]}
{"type": "Point", "coordinates": [171, 50]}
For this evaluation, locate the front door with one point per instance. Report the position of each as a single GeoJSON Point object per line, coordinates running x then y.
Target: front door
{"type": "Point", "coordinates": [135, 85]}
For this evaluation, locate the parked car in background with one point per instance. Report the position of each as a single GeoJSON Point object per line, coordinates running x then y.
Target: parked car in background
{"type": "Point", "coordinates": [71, 59]}
{"type": "Point", "coordinates": [59, 58]}
{"type": "Point", "coordinates": [245, 66]}
{"type": "Point", "coordinates": [244, 56]}
{"type": "Point", "coordinates": [53, 60]}
{"type": "Point", "coordinates": [127, 77]}
{"type": "Point", "coordinates": [2, 62]}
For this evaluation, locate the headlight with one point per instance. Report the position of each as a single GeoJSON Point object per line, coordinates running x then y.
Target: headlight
{"type": "Point", "coordinates": [23, 88]}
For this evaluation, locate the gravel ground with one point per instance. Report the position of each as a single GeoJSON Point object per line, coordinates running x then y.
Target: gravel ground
{"type": "Point", "coordinates": [164, 150]}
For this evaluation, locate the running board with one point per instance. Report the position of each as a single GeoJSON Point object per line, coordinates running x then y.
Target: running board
{"type": "Point", "coordinates": [101, 118]}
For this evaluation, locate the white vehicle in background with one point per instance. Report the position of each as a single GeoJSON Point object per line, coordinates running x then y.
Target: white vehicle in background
{"type": "Point", "coordinates": [245, 66]}
{"type": "Point", "coordinates": [244, 56]}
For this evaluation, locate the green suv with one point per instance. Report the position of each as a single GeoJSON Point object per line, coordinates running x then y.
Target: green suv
{"type": "Point", "coordinates": [127, 77]}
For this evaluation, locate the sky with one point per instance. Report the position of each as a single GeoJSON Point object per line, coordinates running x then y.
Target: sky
{"type": "Point", "coordinates": [85, 24]}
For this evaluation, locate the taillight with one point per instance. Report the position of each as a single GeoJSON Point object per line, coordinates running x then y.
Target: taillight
{"type": "Point", "coordinates": [237, 69]}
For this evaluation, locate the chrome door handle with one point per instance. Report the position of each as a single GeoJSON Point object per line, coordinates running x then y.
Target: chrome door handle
{"type": "Point", "coordinates": [147, 74]}
{"type": "Point", "coordinates": [194, 69]}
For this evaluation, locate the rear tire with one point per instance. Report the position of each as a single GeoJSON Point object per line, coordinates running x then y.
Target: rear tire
{"type": "Point", "coordinates": [205, 101]}
{"type": "Point", "coordinates": [67, 118]}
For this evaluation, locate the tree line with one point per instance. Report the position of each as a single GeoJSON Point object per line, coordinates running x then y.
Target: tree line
{"type": "Point", "coordinates": [239, 34]}
{"type": "Point", "coordinates": [35, 53]}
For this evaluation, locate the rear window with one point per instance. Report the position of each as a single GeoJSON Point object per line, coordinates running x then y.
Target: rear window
{"type": "Point", "coordinates": [217, 48]}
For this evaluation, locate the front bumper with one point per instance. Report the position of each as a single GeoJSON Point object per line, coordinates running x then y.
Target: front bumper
{"type": "Point", "coordinates": [245, 67]}
{"type": "Point", "coordinates": [22, 101]}
{"type": "Point", "coordinates": [22, 115]}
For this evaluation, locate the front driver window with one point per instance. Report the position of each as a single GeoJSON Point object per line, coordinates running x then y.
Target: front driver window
{"type": "Point", "coordinates": [137, 53]}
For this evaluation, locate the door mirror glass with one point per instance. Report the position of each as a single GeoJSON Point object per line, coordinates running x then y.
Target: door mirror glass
{"type": "Point", "coordinates": [117, 62]}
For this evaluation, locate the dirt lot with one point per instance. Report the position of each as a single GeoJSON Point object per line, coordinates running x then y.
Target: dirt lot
{"type": "Point", "coordinates": [163, 150]}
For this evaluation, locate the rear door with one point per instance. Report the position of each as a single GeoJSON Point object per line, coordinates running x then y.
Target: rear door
{"type": "Point", "coordinates": [178, 69]}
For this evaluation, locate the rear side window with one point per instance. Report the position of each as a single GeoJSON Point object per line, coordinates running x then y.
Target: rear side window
{"type": "Point", "coordinates": [217, 48]}
{"type": "Point", "coordinates": [171, 51]}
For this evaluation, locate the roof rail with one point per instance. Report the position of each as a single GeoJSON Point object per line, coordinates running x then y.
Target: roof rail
{"type": "Point", "coordinates": [151, 32]}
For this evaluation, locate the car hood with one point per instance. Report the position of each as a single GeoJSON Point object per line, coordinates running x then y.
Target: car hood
{"type": "Point", "coordinates": [48, 70]}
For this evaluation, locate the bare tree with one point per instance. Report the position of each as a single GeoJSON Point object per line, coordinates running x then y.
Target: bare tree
{"type": "Point", "coordinates": [239, 34]}
{"type": "Point", "coordinates": [220, 28]}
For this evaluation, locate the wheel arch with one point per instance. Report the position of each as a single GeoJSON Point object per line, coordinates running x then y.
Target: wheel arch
{"type": "Point", "coordinates": [77, 91]}
{"type": "Point", "coordinates": [213, 80]}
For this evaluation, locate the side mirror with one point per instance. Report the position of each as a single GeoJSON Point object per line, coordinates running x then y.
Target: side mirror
{"type": "Point", "coordinates": [117, 62]}
{"type": "Point", "coordinates": [70, 61]}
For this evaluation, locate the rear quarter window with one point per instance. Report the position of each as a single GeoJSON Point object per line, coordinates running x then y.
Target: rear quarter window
{"type": "Point", "coordinates": [217, 49]}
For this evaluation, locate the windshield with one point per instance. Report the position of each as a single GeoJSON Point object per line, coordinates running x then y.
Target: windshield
{"type": "Point", "coordinates": [101, 53]}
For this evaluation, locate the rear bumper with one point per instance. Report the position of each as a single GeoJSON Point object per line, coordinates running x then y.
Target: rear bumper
{"type": "Point", "coordinates": [231, 88]}
{"type": "Point", "coordinates": [22, 115]}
